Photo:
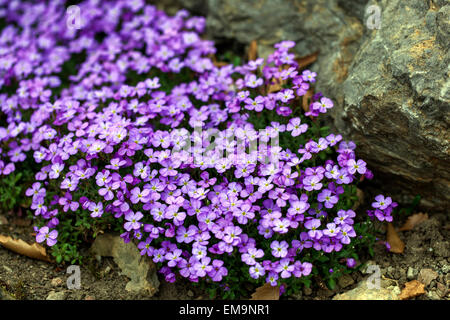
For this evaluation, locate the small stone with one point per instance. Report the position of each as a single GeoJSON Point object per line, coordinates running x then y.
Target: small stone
{"type": "Point", "coordinates": [297, 295]}
{"type": "Point", "coordinates": [390, 271]}
{"type": "Point", "coordinates": [89, 298]}
{"type": "Point", "coordinates": [345, 281]}
{"type": "Point", "coordinates": [8, 269]}
{"type": "Point", "coordinates": [426, 276]}
{"type": "Point", "coordinates": [190, 293]}
{"type": "Point", "coordinates": [61, 295]}
{"type": "Point", "coordinates": [107, 270]}
{"type": "Point", "coordinates": [433, 295]}
{"type": "Point", "coordinates": [445, 268]}
{"type": "Point", "coordinates": [441, 290]}
{"type": "Point", "coordinates": [56, 282]}
{"type": "Point", "coordinates": [411, 273]}
{"type": "Point", "coordinates": [307, 291]}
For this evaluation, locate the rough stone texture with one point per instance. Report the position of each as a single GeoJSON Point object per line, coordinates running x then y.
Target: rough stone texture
{"type": "Point", "coordinates": [391, 86]}
{"type": "Point", "coordinates": [364, 292]}
{"type": "Point", "coordinates": [140, 270]}
{"type": "Point", "coordinates": [395, 100]}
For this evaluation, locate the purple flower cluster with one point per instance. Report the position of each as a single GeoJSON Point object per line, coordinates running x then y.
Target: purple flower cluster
{"type": "Point", "coordinates": [187, 205]}
{"type": "Point", "coordinates": [383, 207]}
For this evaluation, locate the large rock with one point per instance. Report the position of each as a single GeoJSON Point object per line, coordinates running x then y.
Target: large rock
{"type": "Point", "coordinates": [394, 101]}
{"type": "Point", "coordinates": [139, 269]}
{"type": "Point", "coordinates": [391, 85]}
{"type": "Point", "coordinates": [365, 291]}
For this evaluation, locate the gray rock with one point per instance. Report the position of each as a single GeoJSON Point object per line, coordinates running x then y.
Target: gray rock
{"type": "Point", "coordinates": [8, 269]}
{"type": "Point", "coordinates": [53, 295]}
{"type": "Point", "coordinates": [365, 292]}
{"type": "Point", "coordinates": [391, 86]}
{"type": "Point", "coordinates": [394, 101]}
{"type": "Point", "coordinates": [139, 269]}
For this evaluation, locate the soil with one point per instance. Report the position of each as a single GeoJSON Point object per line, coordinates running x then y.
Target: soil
{"type": "Point", "coordinates": [427, 247]}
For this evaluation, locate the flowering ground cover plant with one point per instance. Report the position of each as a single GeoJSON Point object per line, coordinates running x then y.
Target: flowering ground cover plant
{"type": "Point", "coordinates": [127, 124]}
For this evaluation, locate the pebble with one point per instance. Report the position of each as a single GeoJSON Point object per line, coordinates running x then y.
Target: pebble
{"type": "Point", "coordinates": [426, 276]}
{"type": "Point", "coordinates": [307, 291]}
{"type": "Point", "coordinates": [433, 295]}
{"type": "Point", "coordinates": [89, 298]}
{"type": "Point", "coordinates": [411, 273]}
{"type": "Point", "coordinates": [297, 295]}
{"type": "Point", "coordinates": [441, 289]}
{"type": "Point", "coordinates": [445, 268]}
{"type": "Point", "coordinates": [190, 293]}
{"type": "Point", "coordinates": [56, 282]}
{"type": "Point", "coordinates": [61, 295]}
{"type": "Point", "coordinates": [7, 269]}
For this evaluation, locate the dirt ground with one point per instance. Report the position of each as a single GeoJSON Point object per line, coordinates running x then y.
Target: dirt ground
{"type": "Point", "coordinates": [427, 247]}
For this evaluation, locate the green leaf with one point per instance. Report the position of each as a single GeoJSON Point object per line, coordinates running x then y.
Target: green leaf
{"type": "Point", "coordinates": [331, 283]}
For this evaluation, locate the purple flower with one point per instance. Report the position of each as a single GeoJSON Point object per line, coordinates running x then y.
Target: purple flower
{"type": "Point", "coordinates": [256, 271]}
{"type": "Point", "coordinates": [218, 271]}
{"type": "Point", "coordinates": [351, 263]}
{"type": "Point", "coordinates": [202, 267]}
{"type": "Point", "coordinates": [285, 268]}
{"type": "Point", "coordinates": [279, 249]}
{"type": "Point", "coordinates": [296, 128]}
{"type": "Point", "coordinates": [46, 235]}
{"type": "Point", "coordinates": [312, 225]}
{"type": "Point", "coordinates": [328, 198]}
{"type": "Point", "coordinates": [252, 254]}
{"type": "Point", "coordinates": [272, 278]}
{"type": "Point", "coordinates": [133, 221]}
{"type": "Point", "coordinates": [381, 202]}
{"type": "Point", "coordinates": [96, 209]}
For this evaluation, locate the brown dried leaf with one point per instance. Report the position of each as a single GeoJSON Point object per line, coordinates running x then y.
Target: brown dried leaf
{"type": "Point", "coordinates": [397, 245]}
{"type": "Point", "coordinates": [34, 251]}
{"type": "Point", "coordinates": [216, 63]}
{"type": "Point", "coordinates": [412, 289]}
{"type": "Point", "coordinates": [360, 195]}
{"type": "Point", "coordinates": [274, 87]}
{"type": "Point", "coordinates": [306, 100]}
{"type": "Point", "coordinates": [253, 51]}
{"type": "Point", "coordinates": [266, 292]}
{"type": "Point", "coordinates": [413, 221]}
{"type": "Point", "coordinates": [305, 61]}
{"type": "Point", "coordinates": [3, 220]}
